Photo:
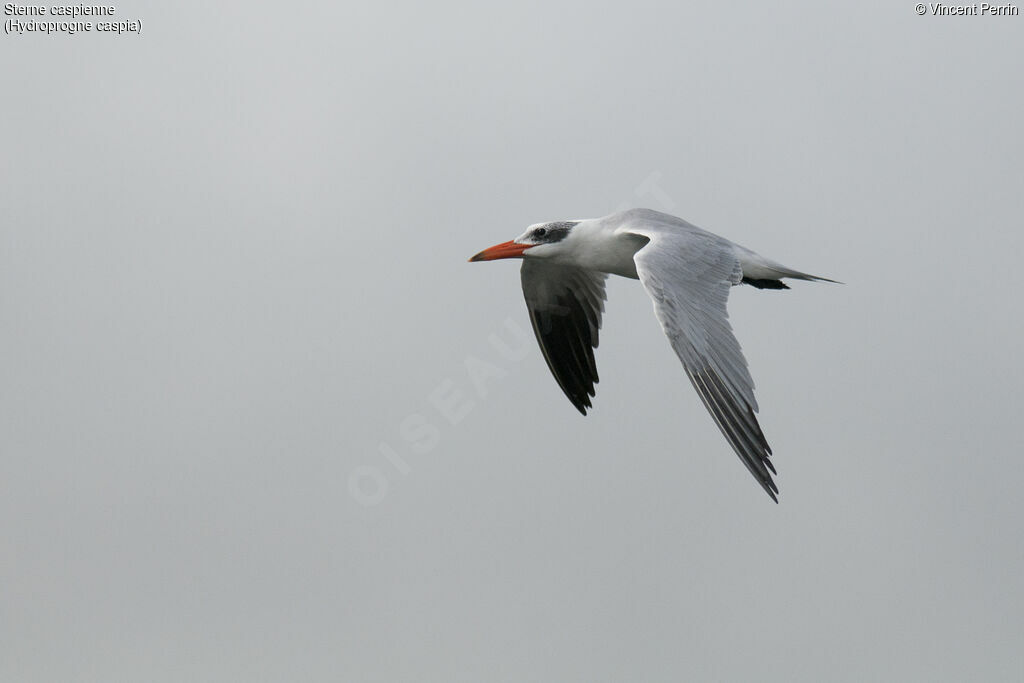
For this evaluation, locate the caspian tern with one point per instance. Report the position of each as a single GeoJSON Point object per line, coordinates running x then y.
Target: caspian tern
{"type": "Point", "coordinates": [688, 273]}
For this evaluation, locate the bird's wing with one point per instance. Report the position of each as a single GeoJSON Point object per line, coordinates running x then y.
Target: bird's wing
{"type": "Point", "coordinates": [688, 273]}
{"type": "Point", "coordinates": [565, 304]}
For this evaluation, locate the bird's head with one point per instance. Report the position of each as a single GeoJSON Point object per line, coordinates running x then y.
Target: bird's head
{"type": "Point", "coordinates": [542, 240]}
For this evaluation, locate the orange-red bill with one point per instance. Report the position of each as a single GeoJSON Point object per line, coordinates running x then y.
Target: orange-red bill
{"type": "Point", "coordinates": [504, 250]}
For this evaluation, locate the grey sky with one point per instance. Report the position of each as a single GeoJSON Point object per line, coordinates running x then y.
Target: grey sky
{"type": "Point", "coordinates": [233, 264]}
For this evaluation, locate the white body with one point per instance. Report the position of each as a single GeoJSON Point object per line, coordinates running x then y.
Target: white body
{"type": "Point", "coordinates": [687, 272]}
{"type": "Point", "coordinates": [608, 244]}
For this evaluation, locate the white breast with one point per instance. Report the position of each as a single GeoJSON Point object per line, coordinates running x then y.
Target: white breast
{"type": "Point", "coordinates": [596, 246]}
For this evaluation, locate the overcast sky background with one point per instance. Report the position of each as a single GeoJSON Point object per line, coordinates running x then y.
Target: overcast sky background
{"type": "Point", "coordinates": [233, 264]}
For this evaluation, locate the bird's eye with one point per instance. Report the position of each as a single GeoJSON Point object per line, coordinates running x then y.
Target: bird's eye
{"type": "Point", "coordinates": [540, 232]}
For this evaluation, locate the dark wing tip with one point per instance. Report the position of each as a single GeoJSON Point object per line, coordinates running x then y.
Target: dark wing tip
{"type": "Point", "coordinates": [765, 283]}
{"type": "Point", "coordinates": [739, 426]}
{"type": "Point", "coordinates": [567, 338]}
{"type": "Point", "coordinates": [579, 394]}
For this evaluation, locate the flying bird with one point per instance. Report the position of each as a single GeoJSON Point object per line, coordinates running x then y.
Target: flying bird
{"type": "Point", "coordinates": [687, 272]}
